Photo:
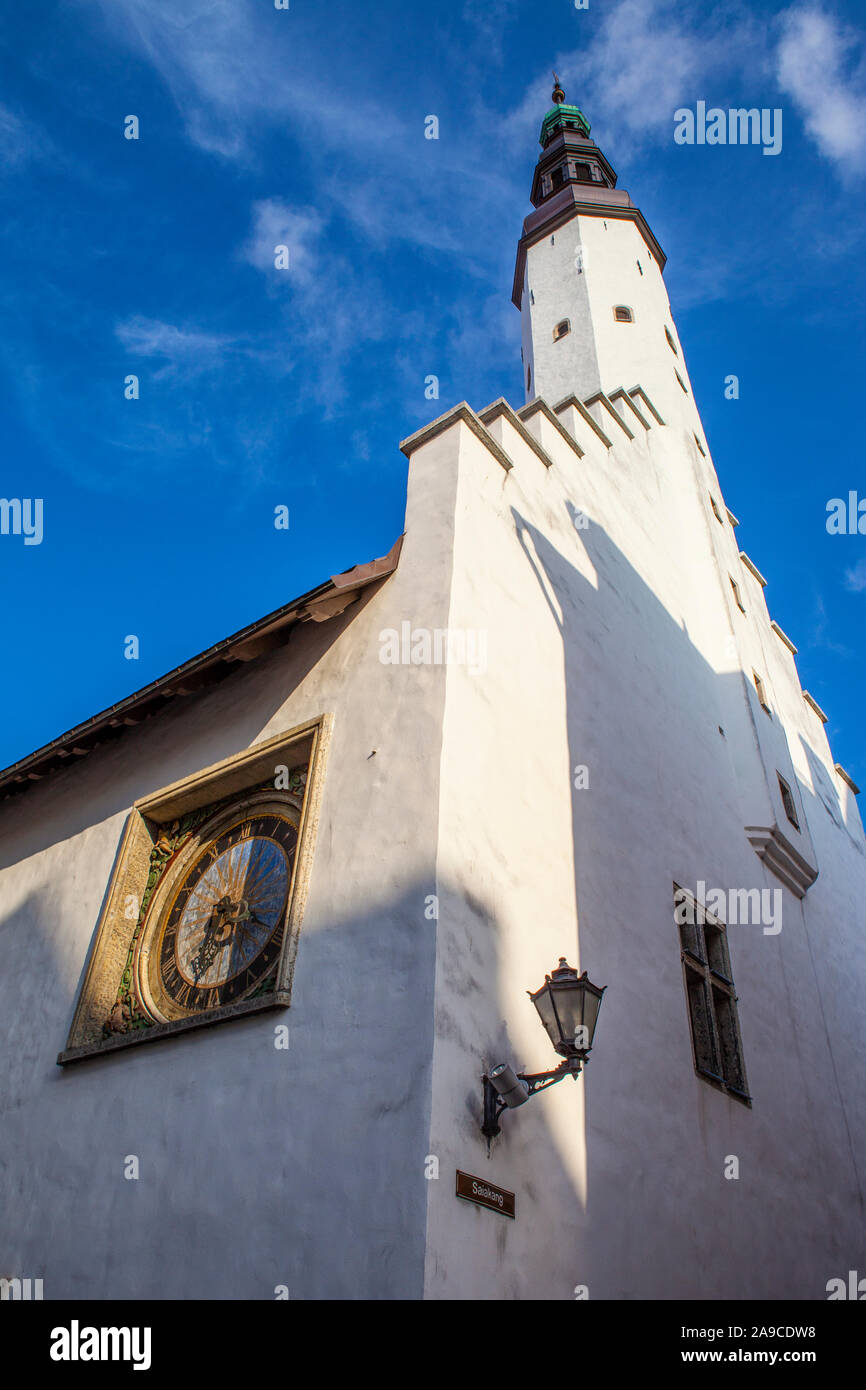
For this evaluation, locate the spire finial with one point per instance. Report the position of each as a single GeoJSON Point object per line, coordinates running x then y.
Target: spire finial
{"type": "Point", "coordinates": [558, 94]}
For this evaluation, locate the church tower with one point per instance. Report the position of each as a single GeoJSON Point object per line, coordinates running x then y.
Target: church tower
{"type": "Point", "coordinates": [287, 902]}
{"type": "Point", "coordinates": [588, 279]}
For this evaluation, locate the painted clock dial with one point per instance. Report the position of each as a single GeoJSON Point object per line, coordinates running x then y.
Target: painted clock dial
{"type": "Point", "coordinates": [223, 930]}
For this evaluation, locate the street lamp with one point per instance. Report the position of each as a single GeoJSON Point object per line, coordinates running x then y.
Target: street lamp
{"type": "Point", "coordinates": [568, 1006]}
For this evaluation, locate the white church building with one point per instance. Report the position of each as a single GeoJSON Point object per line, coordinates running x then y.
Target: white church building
{"type": "Point", "coordinates": [267, 923]}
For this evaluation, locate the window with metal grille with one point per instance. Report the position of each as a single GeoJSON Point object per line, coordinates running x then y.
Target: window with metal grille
{"type": "Point", "coordinates": [710, 996]}
{"type": "Point", "coordinates": [623, 314]}
{"type": "Point", "coordinates": [563, 327]}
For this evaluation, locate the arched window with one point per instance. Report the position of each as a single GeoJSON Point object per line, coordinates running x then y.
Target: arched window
{"type": "Point", "coordinates": [671, 344]}
{"type": "Point", "coordinates": [623, 314]}
{"type": "Point", "coordinates": [563, 327]}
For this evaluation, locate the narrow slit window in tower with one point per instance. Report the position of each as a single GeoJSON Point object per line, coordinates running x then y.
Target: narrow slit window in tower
{"type": "Point", "coordinates": [788, 801]}
{"type": "Point", "coordinates": [762, 694]}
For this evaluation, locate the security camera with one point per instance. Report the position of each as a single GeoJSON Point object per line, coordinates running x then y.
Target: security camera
{"type": "Point", "coordinates": [509, 1086]}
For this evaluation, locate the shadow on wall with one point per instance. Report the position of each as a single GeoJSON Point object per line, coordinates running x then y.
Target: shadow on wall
{"type": "Point", "coordinates": [664, 798]}
{"type": "Point", "coordinates": [304, 1167]}
{"type": "Point", "coordinates": [258, 1165]}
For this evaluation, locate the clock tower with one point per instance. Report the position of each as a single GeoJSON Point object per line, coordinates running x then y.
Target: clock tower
{"type": "Point", "coordinates": [588, 280]}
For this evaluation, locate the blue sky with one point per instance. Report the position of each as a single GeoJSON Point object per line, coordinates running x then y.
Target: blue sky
{"type": "Point", "coordinates": [259, 388]}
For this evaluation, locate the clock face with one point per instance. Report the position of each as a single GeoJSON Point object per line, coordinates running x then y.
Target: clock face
{"type": "Point", "coordinates": [221, 931]}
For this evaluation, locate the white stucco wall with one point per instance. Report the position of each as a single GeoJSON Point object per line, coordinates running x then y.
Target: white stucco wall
{"type": "Point", "coordinates": [599, 353]}
{"type": "Point", "coordinates": [258, 1167]}
{"type": "Point", "coordinates": [618, 647]}
{"type": "Point", "coordinates": [615, 647]}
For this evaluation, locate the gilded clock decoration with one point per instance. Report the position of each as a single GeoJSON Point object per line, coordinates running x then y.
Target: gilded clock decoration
{"type": "Point", "coordinates": [221, 931]}
{"type": "Point", "coordinates": [214, 912]}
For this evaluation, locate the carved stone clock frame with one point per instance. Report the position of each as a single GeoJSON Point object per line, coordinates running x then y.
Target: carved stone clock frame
{"type": "Point", "coordinates": [239, 785]}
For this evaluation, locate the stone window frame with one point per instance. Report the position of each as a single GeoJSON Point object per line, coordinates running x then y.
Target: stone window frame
{"type": "Point", "coordinates": [761, 691]}
{"type": "Point", "coordinates": [711, 1000]}
{"type": "Point", "coordinates": [234, 776]}
{"type": "Point", "coordinates": [788, 804]}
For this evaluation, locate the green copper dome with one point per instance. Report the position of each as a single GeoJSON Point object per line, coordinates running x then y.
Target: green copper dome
{"type": "Point", "coordinates": [561, 117]}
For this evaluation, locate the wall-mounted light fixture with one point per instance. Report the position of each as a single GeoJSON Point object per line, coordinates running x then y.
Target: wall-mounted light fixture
{"type": "Point", "coordinates": [568, 1006]}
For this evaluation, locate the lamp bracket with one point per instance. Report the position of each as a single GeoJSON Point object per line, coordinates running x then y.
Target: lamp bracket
{"type": "Point", "coordinates": [536, 1081]}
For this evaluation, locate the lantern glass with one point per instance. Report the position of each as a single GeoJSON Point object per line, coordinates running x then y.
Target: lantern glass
{"type": "Point", "coordinates": [568, 1006]}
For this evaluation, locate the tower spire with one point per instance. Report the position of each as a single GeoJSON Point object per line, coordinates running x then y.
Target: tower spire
{"type": "Point", "coordinates": [586, 245]}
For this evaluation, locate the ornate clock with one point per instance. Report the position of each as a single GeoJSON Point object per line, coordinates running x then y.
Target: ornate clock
{"type": "Point", "coordinates": [214, 929]}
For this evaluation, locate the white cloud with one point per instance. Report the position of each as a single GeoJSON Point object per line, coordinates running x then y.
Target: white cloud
{"type": "Point", "coordinates": [153, 338]}
{"type": "Point", "coordinates": [855, 577]}
{"type": "Point", "coordinates": [19, 140]}
{"type": "Point", "coordinates": [646, 58]}
{"type": "Point", "coordinates": [817, 69]}
{"type": "Point", "coordinates": [237, 73]}
{"type": "Point", "coordinates": [233, 66]}
{"type": "Point", "coordinates": [276, 224]}
{"type": "Point", "coordinates": [184, 351]}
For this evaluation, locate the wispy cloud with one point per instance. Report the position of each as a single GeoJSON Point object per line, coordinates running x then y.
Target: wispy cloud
{"type": "Point", "coordinates": [187, 347]}
{"type": "Point", "coordinates": [644, 59]}
{"type": "Point", "coordinates": [20, 140]}
{"type": "Point", "coordinates": [237, 73]}
{"type": "Point", "coordinates": [820, 66]}
{"type": "Point", "coordinates": [275, 224]}
{"type": "Point", "coordinates": [855, 577]}
{"type": "Point", "coordinates": [233, 67]}
{"type": "Point", "coordinates": [820, 637]}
